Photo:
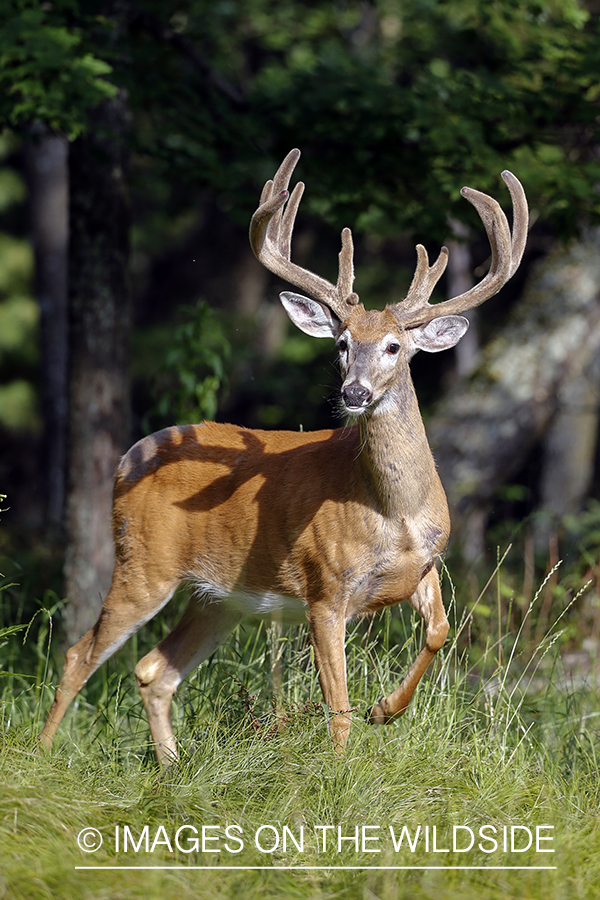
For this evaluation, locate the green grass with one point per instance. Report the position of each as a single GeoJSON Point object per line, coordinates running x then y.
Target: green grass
{"type": "Point", "coordinates": [496, 736]}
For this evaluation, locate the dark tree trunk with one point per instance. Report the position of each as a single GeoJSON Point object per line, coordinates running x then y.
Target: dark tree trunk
{"type": "Point", "coordinates": [46, 157]}
{"type": "Point", "coordinates": [98, 379]}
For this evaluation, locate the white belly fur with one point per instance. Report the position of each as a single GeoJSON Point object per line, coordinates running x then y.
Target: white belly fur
{"type": "Point", "coordinates": [288, 610]}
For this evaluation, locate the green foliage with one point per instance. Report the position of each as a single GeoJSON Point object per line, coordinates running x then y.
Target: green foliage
{"type": "Point", "coordinates": [465, 88]}
{"type": "Point", "coordinates": [395, 105]}
{"type": "Point", "coordinates": [188, 383]}
{"type": "Point", "coordinates": [585, 529]}
{"type": "Point", "coordinates": [12, 187]}
{"type": "Point", "coordinates": [5, 633]}
{"type": "Point", "coordinates": [16, 267]}
{"type": "Point", "coordinates": [19, 314]}
{"type": "Point", "coordinates": [395, 102]}
{"type": "Point", "coordinates": [19, 407]}
{"type": "Point", "coordinates": [47, 72]}
{"type": "Point", "coordinates": [19, 317]}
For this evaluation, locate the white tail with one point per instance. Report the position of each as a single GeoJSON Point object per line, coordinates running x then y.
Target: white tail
{"type": "Point", "coordinates": [326, 525]}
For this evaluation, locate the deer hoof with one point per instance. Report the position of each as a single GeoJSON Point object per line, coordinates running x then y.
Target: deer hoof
{"type": "Point", "coordinates": [377, 716]}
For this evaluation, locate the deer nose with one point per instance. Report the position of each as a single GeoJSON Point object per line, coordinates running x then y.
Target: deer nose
{"type": "Point", "coordinates": [356, 395]}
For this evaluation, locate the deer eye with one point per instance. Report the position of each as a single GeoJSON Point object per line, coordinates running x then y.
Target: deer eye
{"type": "Point", "coordinates": [392, 348]}
{"type": "Point", "coordinates": [342, 346]}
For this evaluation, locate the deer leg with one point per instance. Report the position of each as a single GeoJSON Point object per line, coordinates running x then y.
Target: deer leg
{"type": "Point", "coordinates": [427, 600]}
{"type": "Point", "coordinates": [127, 607]}
{"type": "Point", "coordinates": [201, 629]}
{"type": "Point", "coordinates": [328, 634]}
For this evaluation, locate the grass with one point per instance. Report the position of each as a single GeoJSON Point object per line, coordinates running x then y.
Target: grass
{"type": "Point", "coordinates": [497, 737]}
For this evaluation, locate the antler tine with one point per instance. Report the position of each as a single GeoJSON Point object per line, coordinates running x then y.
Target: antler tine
{"type": "Point", "coordinates": [503, 265]}
{"type": "Point", "coordinates": [289, 220]}
{"type": "Point", "coordinates": [520, 219]}
{"type": "Point", "coordinates": [281, 183]}
{"type": "Point", "coordinates": [425, 278]}
{"type": "Point", "coordinates": [266, 192]}
{"type": "Point", "coordinates": [272, 198]}
{"type": "Point", "coordinates": [271, 235]}
{"type": "Point", "coordinates": [345, 280]}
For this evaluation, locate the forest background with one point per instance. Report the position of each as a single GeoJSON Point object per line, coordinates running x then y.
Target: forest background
{"type": "Point", "coordinates": [136, 137]}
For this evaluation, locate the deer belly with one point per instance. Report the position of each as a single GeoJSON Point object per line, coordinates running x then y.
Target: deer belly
{"type": "Point", "coordinates": [289, 610]}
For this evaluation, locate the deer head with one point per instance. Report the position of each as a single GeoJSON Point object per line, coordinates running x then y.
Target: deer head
{"type": "Point", "coordinates": [375, 345]}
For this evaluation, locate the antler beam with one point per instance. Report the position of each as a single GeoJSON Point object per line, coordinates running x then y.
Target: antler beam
{"type": "Point", "coordinates": [271, 236]}
{"type": "Point", "coordinates": [507, 250]}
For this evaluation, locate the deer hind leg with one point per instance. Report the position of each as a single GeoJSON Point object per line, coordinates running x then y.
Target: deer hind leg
{"type": "Point", "coordinates": [427, 600]}
{"type": "Point", "coordinates": [202, 628]}
{"type": "Point", "coordinates": [129, 604]}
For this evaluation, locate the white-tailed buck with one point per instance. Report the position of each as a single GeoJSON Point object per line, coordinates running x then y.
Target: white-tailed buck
{"type": "Point", "coordinates": [326, 525]}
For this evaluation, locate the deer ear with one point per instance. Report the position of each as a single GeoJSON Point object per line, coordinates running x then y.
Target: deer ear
{"type": "Point", "coordinates": [311, 316]}
{"type": "Point", "coordinates": [439, 334]}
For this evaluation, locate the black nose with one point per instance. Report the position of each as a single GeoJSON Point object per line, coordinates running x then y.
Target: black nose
{"type": "Point", "coordinates": [356, 395]}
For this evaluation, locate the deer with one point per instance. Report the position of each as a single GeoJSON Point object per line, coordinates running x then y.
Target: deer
{"type": "Point", "coordinates": [327, 525]}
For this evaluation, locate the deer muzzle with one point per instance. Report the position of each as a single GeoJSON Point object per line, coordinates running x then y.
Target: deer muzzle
{"type": "Point", "coordinates": [356, 396]}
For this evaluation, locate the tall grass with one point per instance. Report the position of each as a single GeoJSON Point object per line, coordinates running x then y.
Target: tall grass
{"type": "Point", "coordinates": [496, 736]}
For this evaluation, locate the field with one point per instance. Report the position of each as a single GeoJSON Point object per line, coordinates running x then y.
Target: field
{"type": "Point", "coordinates": [488, 786]}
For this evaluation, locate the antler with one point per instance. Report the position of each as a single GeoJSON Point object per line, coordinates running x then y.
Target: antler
{"type": "Point", "coordinates": [507, 251]}
{"type": "Point", "coordinates": [271, 235]}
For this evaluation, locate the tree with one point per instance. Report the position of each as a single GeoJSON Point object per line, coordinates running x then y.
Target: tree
{"type": "Point", "coordinates": [98, 354]}
{"type": "Point", "coordinates": [54, 78]}
{"type": "Point", "coordinates": [540, 370]}
{"type": "Point", "coordinates": [395, 103]}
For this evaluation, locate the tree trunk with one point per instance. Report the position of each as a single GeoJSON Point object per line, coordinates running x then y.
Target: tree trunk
{"type": "Point", "coordinates": [569, 451]}
{"type": "Point", "coordinates": [98, 380]}
{"type": "Point", "coordinates": [460, 280]}
{"type": "Point", "coordinates": [486, 425]}
{"type": "Point", "coordinates": [46, 163]}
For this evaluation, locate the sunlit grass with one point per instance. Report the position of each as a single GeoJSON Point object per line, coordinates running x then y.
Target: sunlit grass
{"type": "Point", "coordinates": [495, 737]}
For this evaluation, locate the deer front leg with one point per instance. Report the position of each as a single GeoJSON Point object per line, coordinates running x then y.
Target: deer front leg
{"type": "Point", "coordinates": [328, 635]}
{"type": "Point", "coordinates": [427, 600]}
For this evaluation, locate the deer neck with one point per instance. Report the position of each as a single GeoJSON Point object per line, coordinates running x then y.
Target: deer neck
{"type": "Point", "coordinates": [396, 453]}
